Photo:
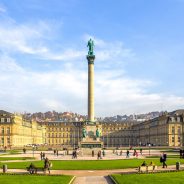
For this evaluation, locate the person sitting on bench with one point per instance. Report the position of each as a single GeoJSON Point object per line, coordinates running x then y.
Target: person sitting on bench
{"type": "Point", "coordinates": [31, 168]}
{"type": "Point", "coordinates": [144, 164]}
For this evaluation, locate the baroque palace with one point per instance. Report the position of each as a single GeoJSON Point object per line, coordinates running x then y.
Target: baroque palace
{"type": "Point", "coordinates": [165, 130]}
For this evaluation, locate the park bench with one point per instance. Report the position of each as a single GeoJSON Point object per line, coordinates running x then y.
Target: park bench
{"type": "Point", "coordinates": [34, 170]}
{"type": "Point", "coordinates": [150, 168]}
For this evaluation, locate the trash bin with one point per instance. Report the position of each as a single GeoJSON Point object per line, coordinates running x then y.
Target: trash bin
{"type": "Point", "coordinates": [177, 166]}
{"type": "Point", "coordinates": [4, 168]}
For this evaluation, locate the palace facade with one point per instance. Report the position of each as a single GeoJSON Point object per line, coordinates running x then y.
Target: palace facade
{"type": "Point", "coordinates": [165, 130]}
{"type": "Point", "coordinates": [15, 131]}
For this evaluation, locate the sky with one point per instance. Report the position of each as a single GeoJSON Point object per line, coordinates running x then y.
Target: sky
{"type": "Point", "coordinates": [139, 49]}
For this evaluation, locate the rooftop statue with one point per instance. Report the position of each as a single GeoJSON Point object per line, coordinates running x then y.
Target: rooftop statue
{"type": "Point", "coordinates": [90, 45]}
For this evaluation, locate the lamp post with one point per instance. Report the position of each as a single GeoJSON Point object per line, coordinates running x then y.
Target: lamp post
{"type": "Point", "coordinates": [149, 148]}
{"type": "Point", "coordinates": [33, 151]}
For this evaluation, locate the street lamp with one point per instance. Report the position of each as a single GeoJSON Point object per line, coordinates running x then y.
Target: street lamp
{"type": "Point", "coordinates": [33, 150]}
{"type": "Point", "coordinates": [149, 148]}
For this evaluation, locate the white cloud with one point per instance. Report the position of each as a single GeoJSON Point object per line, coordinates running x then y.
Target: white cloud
{"type": "Point", "coordinates": [126, 95]}
{"type": "Point", "coordinates": [66, 55]}
{"type": "Point", "coordinates": [21, 38]}
{"type": "Point", "coordinates": [2, 9]}
{"type": "Point", "coordinates": [66, 90]}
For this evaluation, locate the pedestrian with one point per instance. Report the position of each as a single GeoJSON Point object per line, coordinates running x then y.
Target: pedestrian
{"type": "Point", "coordinates": [54, 152]}
{"type": "Point", "coordinates": [164, 159]}
{"type": "Point", "coordinates": [181, 153]}
{"type": "Point", "coordinates": [57, 153]}
{"type": "Point", "coordinates": [92, 153]}
{"type": "Point", "coordinates": [99, 155]}
{"type": "Point", "coordinates": [127, 154]}
{"type": "Point", "coordinates": [103, 153]}
{"type": "Point", "coordinates": [24, 150]}
{"type": "Point", "coordinates": [121, 152]}
{"type": "Point", "coordinates": [41, 155]}
{"type": "Point", "coordinates": [136, 154]}
{"type": "Point", "coordinates": [47, 165]}
{"type": "Point", "coordinates": [141, 151]}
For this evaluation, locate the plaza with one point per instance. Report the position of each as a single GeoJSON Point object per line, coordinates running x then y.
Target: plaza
{"type": "Point", "coordinates": [87, 169]}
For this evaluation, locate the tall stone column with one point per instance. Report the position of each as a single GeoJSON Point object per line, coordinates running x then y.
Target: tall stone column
{"type": "Point", "coordinates": [91, 114]}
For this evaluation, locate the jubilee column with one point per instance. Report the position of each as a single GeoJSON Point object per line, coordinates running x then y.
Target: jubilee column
{"type": "Point", "coordinates": [90, 58]}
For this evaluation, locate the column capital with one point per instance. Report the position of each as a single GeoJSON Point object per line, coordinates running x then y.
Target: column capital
{"type": "Point", "coordinates": [90, 59]}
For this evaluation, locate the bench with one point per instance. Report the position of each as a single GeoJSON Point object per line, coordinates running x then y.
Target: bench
{"type": "Point", "coordinates": [34, 170]}
{"type": "Point", "coordinates": [150, 168]}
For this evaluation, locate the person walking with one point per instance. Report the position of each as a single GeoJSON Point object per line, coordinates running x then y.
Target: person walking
{"type": "Point", "coordinates": [47, 165]}
{"type": "Point", "coordinates": [24, 150]}
{"type": "Point", "coordinates": [92, 153]}
{"type": "Point", "coordinates": [103, 153]}
{"type": "Point", "coordinates": [141, 151]}
{"type": "Point", "coordinates": [41, 155]}
{"type": "Point", "coordinates": [164, 159]}
{"type": "Point", "coordinates": [127, 154]}
{"type": "Point", "coordinates": [181, 151]}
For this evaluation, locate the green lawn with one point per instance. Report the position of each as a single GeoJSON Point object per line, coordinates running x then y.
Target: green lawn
{"type": "Point", "coordinates": [16, 158]}
{"type": "Point", "coordinates": [94, 164]}
{"type": "Point", "coordinates": [161, 178]}
{"type": "Point", "coordinates": [34, 179]}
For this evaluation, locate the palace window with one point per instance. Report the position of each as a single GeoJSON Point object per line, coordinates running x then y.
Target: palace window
{"type": "Point", "coordinates": [2, 130]}
{"type": "Point", "coordinates": [173, 130]}
{"type": "Point", "coordinates": [2, 120]}
{"type": "Point", "coordinates": [8, 130]}
{"type": "Point", "coordinates": [172, 139]}
{"type": "Point", "coordinates": [8, 140]}
{"type": "Point", "coordinates": [178, 139]}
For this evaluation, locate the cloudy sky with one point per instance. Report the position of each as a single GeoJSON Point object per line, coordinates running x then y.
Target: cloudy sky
{"type": "Point", "coordinates": [139, 48]}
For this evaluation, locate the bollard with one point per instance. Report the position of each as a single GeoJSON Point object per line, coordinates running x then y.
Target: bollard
{"type": "Point", "coordinates": [177, 166]}
{"type": "Point", "coordinates": [4, 168]}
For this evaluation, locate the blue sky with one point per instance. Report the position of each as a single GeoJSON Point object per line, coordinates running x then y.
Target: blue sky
{"type": "Point", "coordinates": [139, 55]}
